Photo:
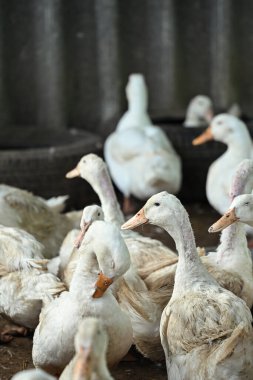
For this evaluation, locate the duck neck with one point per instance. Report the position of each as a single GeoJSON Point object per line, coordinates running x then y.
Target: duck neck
{"type": "Point", "coordinates": [84, 277]}
{"type": "Point", "coordinates": [105, 191]}
{"type": "Point", "coordinates": [240, 146]}
{"type": "Point", "coordinates": [233, 243]}
{"type": "Point", "coordinates": [189, 267]}
{"type": "Point", "coordinates": [138, 104]}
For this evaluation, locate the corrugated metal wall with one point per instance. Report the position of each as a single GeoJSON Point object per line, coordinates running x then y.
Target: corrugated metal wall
{"type": "Point", "coordinates": [65, 63]}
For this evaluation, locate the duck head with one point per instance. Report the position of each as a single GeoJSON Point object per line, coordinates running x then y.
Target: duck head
{"type": "Point", "coordinates": [241, 210]}
{"type": "Point", "coordinates": [162, 209]}
{"type": "Point", "coordinates": [89, 166]}
{"type": "Point", "coordinates": [90, 214]}
{"type": "Point", "coordinates": [200, 109]}
{"type": "Point", "coordinates": [224, 128]}
{"type": "Point", "coordinates": [90, 344]}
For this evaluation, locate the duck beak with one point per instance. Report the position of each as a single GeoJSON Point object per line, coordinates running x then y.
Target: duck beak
{"type": "Point", "coordinates": [224, 221]}
{"type": "Point", "coordinates": [204, 137]}
{"type": "Point", "coordinates": [83, 368]}
{"type": "Point", "coordinates": [137, 220]}
{"type": "Point", "coordinates": [73, 173]}
{"type": "Point", "coordinates": [81, 234]}
{"type": "Point", "coordinates": [102, 284]}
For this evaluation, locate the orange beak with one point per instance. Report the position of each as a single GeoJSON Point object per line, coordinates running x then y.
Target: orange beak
{"type": "Point", "coordinates": [102, 284]}
{"type": "Point", "coordinates": [225, 221]}
{"type": "Point", "coordinates": [73, 173]}
{"type": "Point", "coordinates": [82, 367]}
{"type": "Point", "coordinates": [204, 137]}
{"type": "Point", "coordinates": [137, 220]}
{"type": "Point", "coordinates": [81, 234]}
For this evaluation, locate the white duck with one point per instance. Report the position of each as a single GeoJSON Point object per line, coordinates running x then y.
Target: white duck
{"type": "Point", "coordinates": [89, 362]}
{"type": "Point", "coordinates": [199, 111]}
{"type": "Point", "coordinates": [24, 282]}
{"type": "Point", "coordinates": [22, 293]}
{"type": "Point", "coordinates": [68, 253]}
{"type": "Point", "coordinates": [130, 291]}
{"type": "Point", "coordinates": [206, 330]}
{"type": "Point", "coordinates": [139, 155]}
{"type": "Point", "coordinates": [234, 133]}
{"type": "Point", "coordinates": [21, 209]}
{"type": "Point", "coordinates": [56, 204]}
{"type": "Point", "coordinates": [19, 250]}
{"type": "Point", "coordinates": [233, 253]}
{"type": "Point", "coordinates": [143, 250]}
{"type": "Point", "coordinates": [104, 257]}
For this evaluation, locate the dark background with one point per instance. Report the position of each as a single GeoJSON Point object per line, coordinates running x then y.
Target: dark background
{"type": "Point", "coordinates": [64, 64]}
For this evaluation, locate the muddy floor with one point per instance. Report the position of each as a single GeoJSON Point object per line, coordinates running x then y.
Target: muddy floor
{"type": "Point", "coordinates": [16, 355]}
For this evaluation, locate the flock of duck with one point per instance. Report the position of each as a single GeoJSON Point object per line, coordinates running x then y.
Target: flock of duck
{"type": "Point", "coordinates": [90, 293]}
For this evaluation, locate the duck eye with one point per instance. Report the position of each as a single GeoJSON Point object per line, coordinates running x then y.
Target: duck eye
{"type": "Point", "coordinates": [246, 203]}
{"type": "Point", "coordinates": [99, 214]}
{"type": "Point", "coordinates": [157, 204]}
{"type": "Point", "coordinates": [84, 161]}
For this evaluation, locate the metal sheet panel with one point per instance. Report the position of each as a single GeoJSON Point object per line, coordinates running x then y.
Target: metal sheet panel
{"type": "Point", "coordinates": [65, 63]}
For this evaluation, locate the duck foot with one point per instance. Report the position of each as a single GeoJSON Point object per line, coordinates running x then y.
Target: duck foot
{"type": "Point", "coordinates": [8, 331]}
{"type": "Point", "coordinates": [128, 206]}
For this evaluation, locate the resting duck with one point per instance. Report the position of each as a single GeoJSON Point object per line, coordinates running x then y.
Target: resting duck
{"type": "Point", "coordinates": [19, 250]}
{"type": "Point", "coordinates": [21, 209]}
{"type": "Point", "coordinates": [234, 133]}
{"type": "Point", "coordinates": [103, 259]}
{"type": "Point", "coordinates": [140, 157]}
{"type": "Point", "coordinates": [24, 281]}
{"type": "Point", "coordinates": [206, 330]}
{"type": "Point", "coordinates": [22, 293]}
{"type": "Point", "coordinates": [89, 362]}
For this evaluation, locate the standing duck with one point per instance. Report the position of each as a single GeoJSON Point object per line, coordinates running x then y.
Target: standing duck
{"type": "Point", "coordinates": [103, 259]}
{"type": "Point", "coordinates": [206, 330]}
{"type": "Point", "coordinates": [233, 253]}
{"type": "Point", "coordinates": [234, 133]}
{"type": "Point", "coordinates": [140, 157]}
{"type": "Point", "coordinates": [143, 250]}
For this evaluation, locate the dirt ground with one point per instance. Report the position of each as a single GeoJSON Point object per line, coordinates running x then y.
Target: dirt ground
{"type": "Point", "coordinates": [16, 355]}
